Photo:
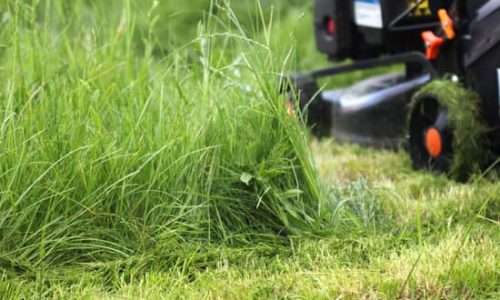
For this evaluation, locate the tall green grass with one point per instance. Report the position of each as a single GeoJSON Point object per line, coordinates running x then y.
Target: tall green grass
{"type": "Point", "coordinates": [145, 152]}
{"type": "Point", "coordinates": [109, 150]}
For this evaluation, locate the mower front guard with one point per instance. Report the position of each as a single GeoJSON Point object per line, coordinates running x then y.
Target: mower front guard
{"type": "Point", "coordinates": [371, 112]}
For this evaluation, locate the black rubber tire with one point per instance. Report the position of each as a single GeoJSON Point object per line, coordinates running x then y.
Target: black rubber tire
{"type": "Point", "coordinates": [453, 111]}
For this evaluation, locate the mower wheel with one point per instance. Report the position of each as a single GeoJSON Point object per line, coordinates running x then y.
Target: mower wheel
{"type": "Point", "coordinates": [445, 131]}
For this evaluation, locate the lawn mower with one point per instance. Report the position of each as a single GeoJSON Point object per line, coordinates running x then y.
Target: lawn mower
{"type": "Point", "coordinates": [442, 103]}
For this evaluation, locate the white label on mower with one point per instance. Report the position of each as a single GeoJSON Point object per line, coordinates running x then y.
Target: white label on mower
{"type": "Point", "coordinates": [368, 13]}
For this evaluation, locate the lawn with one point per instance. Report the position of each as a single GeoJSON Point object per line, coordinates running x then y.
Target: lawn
{"type": "Point", "coordinates": [145, 153]}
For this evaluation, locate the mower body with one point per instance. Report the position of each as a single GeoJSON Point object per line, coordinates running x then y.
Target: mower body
{"type": "Point", "coordinates": [482, 65]}
{"type": "Point", "coordinates": [371, 111]}
{"type": "Point", "coordinates": [375, 33]}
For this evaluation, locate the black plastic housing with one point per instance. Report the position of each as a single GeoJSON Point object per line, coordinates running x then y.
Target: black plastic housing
{"type": "Point", "coordinates": [482, 63]}
{"type": "Point", "coordinates": [370, 28]}
{"type": "Point", "coordinates": [340, 44]}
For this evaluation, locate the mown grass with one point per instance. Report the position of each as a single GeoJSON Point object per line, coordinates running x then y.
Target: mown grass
{"type": "Point", "coordinates": [145, 153]}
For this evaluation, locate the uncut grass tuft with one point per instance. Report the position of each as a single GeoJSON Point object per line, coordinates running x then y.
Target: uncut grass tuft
{"type": "Point", "coordinates": [110, 151]}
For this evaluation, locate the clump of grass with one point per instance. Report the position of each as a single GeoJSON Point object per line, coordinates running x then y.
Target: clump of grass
{"type": "Point", "coordinates": [107, 151]}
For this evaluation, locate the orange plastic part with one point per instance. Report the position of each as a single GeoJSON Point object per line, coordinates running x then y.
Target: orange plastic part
{"type": "Point", "coordinates": [289, 108]}
{"type": "Point", "coordinates": [433, 142]}
{"type": "Point", "coordinates": [447, 24]}
{"type": "Point", "coordinates": [432, 44]}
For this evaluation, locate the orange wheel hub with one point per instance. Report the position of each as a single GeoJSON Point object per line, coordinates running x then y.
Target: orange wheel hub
{"type": "Point", "coordinates": [433, 142]}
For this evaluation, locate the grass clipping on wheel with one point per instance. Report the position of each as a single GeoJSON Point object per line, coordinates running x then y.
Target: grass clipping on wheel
{"type": "Point", "coordinates": [470, 142]}
{"type": "Point", "coordinates": [109, 150]}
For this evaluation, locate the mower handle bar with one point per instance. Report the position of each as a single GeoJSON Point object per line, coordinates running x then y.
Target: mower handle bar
{"type": "Point", "coordinates": [407, 57]}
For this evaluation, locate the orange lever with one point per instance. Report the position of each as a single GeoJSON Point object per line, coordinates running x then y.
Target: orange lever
{"type": "Point", "coordinates": [432, 44]}
{"type": "Point", "coordinates": [447, 24]}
